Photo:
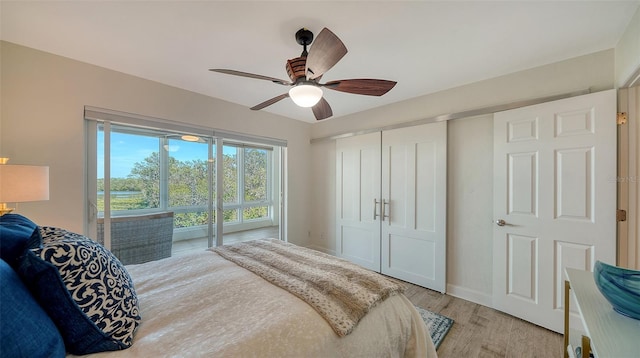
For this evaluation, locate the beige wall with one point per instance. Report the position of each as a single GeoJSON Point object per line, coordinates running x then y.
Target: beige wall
{"type": "Point", "coordinates": [628, 52]}
{"type": "Point", "coordinates": [470, 159]}
{"type": "Point", "coordinates": [41, 123]}
{"type": "Point", "coordinates": [593, 72]}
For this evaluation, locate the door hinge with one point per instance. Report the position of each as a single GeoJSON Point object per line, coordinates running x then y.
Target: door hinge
{"type": "Point", "coordinates": [621, 215]}
{"type": "Point", "coordinates": [621, 118]}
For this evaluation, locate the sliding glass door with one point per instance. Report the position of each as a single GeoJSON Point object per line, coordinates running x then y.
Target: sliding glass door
{"type": "Point", "coordinates": [191, 190]}
{"type": "Point", "coordinates": [152, 171]}
{"type": "Point", "coordinates": [250, 173]}
{"type": "Point", "coordinates": [136, 172]}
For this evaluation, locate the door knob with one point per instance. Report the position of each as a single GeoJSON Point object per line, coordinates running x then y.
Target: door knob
{"type": "Point", "coordinates": [501, 222]}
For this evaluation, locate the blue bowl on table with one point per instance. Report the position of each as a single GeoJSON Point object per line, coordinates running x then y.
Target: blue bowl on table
{"type": "Point", "coordinates": [620, 286]}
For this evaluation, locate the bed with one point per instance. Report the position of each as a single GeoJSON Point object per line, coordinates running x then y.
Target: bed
{"type": "Point", "coordinates": [203, 304]}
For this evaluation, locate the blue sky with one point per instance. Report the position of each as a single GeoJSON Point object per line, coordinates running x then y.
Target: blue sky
{"type": "Point", "coordinates": [128, 149]}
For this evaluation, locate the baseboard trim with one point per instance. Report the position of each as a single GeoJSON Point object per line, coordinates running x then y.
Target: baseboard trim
{"type": "Point", "coordinates": [321, 249]}
{"type": "Point", "coordinates": [467, 294]}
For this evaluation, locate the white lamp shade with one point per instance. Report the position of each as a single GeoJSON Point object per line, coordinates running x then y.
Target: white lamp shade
{"type": "Point", "coordinates": [20, 183]}
{"type": "Point", "coordinates": [305, 95]}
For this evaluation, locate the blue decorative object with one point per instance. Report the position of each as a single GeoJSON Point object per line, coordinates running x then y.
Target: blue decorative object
{"type": "Point", "coordinates": [85, 290]}
{"type": "Point", "coordinates": [25, 329]}
{"type": "Point", "coordinates": [620, 286]}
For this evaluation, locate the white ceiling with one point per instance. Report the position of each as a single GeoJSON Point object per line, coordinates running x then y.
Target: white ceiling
{"type": "Point", "coordinates": [426, 46]}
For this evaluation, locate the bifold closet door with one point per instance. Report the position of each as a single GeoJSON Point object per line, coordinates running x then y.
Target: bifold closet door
{"type": "Point", "coordinates": [414, 173]}
{"type": "Point", "coordinates": [357, 200]}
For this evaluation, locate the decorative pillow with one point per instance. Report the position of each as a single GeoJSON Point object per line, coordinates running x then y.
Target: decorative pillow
{"type": "Point", "coordinates": [17, 233]}
{"type": "Point", "coordinates": [85, 290]}
{"type": "Point", "coordinates": [25, 329]}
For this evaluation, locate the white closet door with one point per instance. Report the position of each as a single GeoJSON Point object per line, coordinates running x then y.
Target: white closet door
{"type": "Point", "coordinates": [554, 201]}
{"type": "Point", "coordinates": [414, 172]}
{"type": "Point", "coordinates": [357, 189]}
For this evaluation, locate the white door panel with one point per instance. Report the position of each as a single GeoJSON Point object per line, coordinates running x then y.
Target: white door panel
{"type": "Point", "coordinates": [522, 184]}
{"type": "Point", "coordinates": [357, 186]}
{"type": "Point", "coordinates": [522, 267]}
{"type": "Point", "coordinates": [414, 189]}
{"type": "Point", "coordinates": [553, 165]}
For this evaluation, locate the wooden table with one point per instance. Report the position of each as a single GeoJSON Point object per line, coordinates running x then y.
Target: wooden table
{"type": "Point", "coordinates": [609, 334]}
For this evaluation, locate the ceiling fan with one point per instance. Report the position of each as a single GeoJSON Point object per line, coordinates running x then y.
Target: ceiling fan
{"type": "Point", "coordinates": [305, 73]}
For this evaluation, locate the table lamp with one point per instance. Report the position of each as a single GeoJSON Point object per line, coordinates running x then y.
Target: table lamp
{"type": "Point", "coordinates": [21, 183]}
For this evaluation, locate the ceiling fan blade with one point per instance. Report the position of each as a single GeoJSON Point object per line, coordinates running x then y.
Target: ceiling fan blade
{"type": "Point", "coordinates": [326, 50]}
{"type": "Point", "coordinates": [251, 75]}
{"type": "Point", "coordinates": [365, 86]}
{"type": "Point", "coordinates": [270, 101]}
{"type": "Point", "coordinates": [322, 110]}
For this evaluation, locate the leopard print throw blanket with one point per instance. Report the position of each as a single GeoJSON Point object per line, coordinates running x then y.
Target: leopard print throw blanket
{"type": "Point", "coordinates": [339, 290]}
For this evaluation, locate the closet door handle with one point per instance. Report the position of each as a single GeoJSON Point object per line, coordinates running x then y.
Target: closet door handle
{"type": "Point", "coordinates": [385, 205]}
{"type": "Point", "coordinates": [375, 208]}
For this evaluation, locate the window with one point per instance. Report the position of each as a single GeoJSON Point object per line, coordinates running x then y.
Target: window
{"type": "Point", "coordinates": [154, 169]}
{"type": "Point", "coordinates": [135, 177]}
{"type": "Point", "coordinates": [247, 188]}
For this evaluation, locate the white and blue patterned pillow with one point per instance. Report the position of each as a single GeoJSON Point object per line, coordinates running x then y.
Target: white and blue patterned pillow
{"type": "Point", "coordinates": [85, 290]}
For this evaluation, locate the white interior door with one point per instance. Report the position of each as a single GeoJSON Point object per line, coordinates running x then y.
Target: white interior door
{"type": "Point", "coordinates": [414, 172]}
{"type": "Point", "coordinates": [357, 199]}
{"type": "Point", "coordinates": [555, 192]}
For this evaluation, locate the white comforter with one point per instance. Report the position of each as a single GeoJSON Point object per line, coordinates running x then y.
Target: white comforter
{"type": "Point", "coordinates": [202, 305]}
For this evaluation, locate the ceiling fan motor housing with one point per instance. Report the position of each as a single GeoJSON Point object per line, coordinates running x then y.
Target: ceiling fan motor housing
{"type": "Point", "coordinates": [296, 68]}
{"type": "Point", "coordinates": [304, 37]}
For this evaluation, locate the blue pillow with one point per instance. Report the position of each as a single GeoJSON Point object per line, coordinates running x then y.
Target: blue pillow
{"type": "Point", "coordinates": [25, 329]}
{"type": "Point", "coordinates": [85, 290]}
{"type": "Point", "coordinates": [17, 233]}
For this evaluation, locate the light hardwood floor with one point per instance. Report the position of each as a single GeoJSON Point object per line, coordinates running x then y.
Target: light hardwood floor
{"type": "Point", "coordinates": [185, 246]}
{"type": "Point", "coordinates": [480, 331]}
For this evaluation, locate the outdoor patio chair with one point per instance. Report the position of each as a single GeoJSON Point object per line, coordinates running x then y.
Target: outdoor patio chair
{"type": "Point", "coordinates": [140, 238]}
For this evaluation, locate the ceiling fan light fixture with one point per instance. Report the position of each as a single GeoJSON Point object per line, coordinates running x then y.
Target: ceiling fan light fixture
{"type": "Point", "coordinates": [305, 95]}
{"type": "Point", "coordinates": [190, 138]}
